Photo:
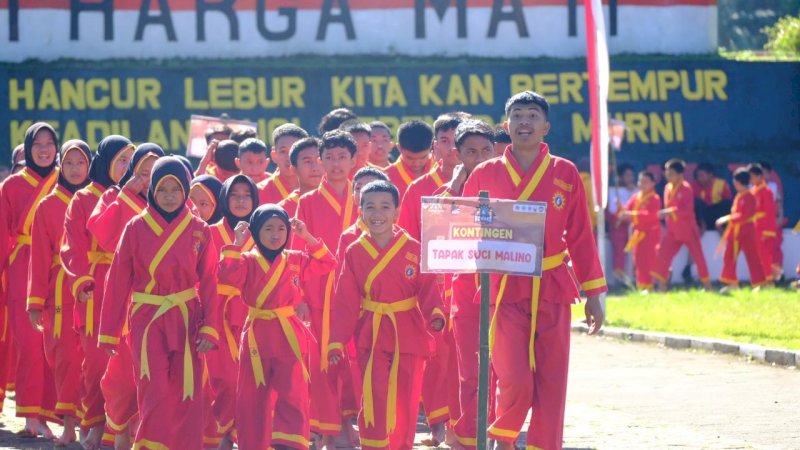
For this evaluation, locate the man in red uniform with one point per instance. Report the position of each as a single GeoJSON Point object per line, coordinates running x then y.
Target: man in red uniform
{"type": "Point", "coordinates": [327, 212]}
{"type": "Point", "coordinates": [474, 142]}
{"type": "Point", "coordinates": [361, 133]}
{"type": "Point", "coordinates": [642, 211]}
{"type": "Point", "coordinates": [22, 192]}
{"type": "Point", "coordinates": [414, 140]}
{"type": "Point", "coordinates": [681, 226]}
{"type": "Point", "coordinates": [283, 181]}
{"type": "Point", "coordinates": [531, 316]}
{"type": "Point", "coordinates": [306, 165]}
{"type": "Point", "coordinates": [380, 279]}
{"type": "Point", "coordinates": [380, 144]}
{"type": "Point", "coordinates": [741, 234]}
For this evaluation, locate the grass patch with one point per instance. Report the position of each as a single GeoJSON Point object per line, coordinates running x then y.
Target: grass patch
{"type": "Point", "coordinates": [769, 317]}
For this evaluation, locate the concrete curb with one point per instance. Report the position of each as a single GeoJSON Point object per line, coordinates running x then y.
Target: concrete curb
{"type": "Point", "coordinates": [775, 356]}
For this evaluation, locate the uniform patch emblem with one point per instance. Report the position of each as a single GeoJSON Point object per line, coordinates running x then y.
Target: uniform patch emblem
{"type": "Point", "coordinates": [411, 271]}
{"type": "Point", "coordinates": [559, 200]}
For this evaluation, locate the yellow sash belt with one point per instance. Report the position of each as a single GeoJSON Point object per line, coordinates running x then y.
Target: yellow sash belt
{"type": "Point", "coordinates": [22, 240]}
{"type": "Point", "coordinates": [637, 237]}
{"type": "Point", "coordinates": [101, 257]}
{"type": "Point", "coordinates": [548, 263]}
{"type": "Point", "coordinates": [282, 314]}
{"type": "Point", "coordinates": [233, 344]}
{"type": "Point", "coordinates": [59, 297]}
{"type": "Point", "coordinates": [379, 310]}
{"type": "Point", "coordinates": [165, 303]}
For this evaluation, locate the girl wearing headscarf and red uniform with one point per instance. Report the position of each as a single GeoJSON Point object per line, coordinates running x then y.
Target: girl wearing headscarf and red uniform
{"type": "Point", "coordinates": [204, 193]}
{"type": "Point", "coordinates": [238, 198]}
{"type": "Point", "coordinates": [50, 301]}
{"type": "Point", "coordinates": [86, 264]}
{"type": "Point", "coordinates": [21, 194]}
{"type": "Point", "coordinates": [118, 205]}
{"type": "Point", "coordinates": [273, 355]}
{"type": "Point", "coordinates": [166, 264]}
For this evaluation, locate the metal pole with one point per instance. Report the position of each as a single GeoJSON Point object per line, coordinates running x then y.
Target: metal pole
{"type": "Point", "coordinates": [601, 246]}
{"type": "Point", "coordinates": [483, 357]}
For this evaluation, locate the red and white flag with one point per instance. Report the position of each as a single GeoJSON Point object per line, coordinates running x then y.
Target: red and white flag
{"type": "Point", "coordinates": [597, 64]}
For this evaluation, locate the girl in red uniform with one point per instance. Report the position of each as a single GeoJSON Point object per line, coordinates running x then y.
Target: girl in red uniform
{"type": "Point", "coordinates": [118, 205]}
{"type": "Point", "coordinates": [86, 265]}
{"type": "Point", "coordinates": [204, 194]}
{"type": "Point", "coordinates": [642, 211]}
{"type": "Point", "coordinates": [166, 264]}
{"type": "Point", "coordinates": [21, 194]}
{"type": "Point", "coordinates": [50, 302]}
{"type": "Point", "coordinates": [273, 355]}
{"type": "Point", "coordinates": [238, 198]}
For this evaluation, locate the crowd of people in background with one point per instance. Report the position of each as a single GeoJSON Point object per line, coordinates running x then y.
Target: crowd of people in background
{"type": "Point", "coordinates": [272, 296]}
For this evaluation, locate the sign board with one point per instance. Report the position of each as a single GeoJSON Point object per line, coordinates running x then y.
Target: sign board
{"type": "Point", "coordinates": [468, 235]}
{"type": "Point", "coordinates": [167, 29]}
{"type": "Point", "coordinates": [197, 145]}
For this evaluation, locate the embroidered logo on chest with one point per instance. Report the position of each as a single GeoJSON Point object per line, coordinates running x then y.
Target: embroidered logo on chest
{"type": "Point", "coordinates": [295, 269]}
{"type": "Point", "coordinates": [559, 200]}
{"type": "Point", "coordinates": [411, 271]}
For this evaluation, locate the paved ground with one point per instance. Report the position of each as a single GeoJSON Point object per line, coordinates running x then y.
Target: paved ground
{"type": "Point", "coordinates": [635, 396]}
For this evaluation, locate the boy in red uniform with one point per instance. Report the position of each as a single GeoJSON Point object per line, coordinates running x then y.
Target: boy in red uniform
{"type": "Point", "coordinates": [167, 264]}
{"type": "Point", "coordinates": [237, 199]}
{"type": "Point", "coordinates": [414, 140]}
{"type": "Point", "coordinates": [766, 222]}
{"type": "Point", "coordinates": [86, 264]}
{"type": "Point", "coordinates": [281, 183]}
{"type": "Point", "coordinates": [642, 211]}
{"type": "Point", "coordinates": [380, 279]}
{"type": "Point", "coordinates": [361, 134]}
{"type": "Point", "coordinates": [272, 360]}
{"type": "Point", "coordinates": [714, 192]}
{"type": "Point", "coordinates": [531, 317]}
{"type": "Point", "coordinates": [741, 234]}
{"type": "Point", "coordinates": [327, 212]}
{"type": "Point", "coordinates": [439, 391]}
{"type": "Point", "coordinates": [380, 145]}
{"type": "Point", "coordinates": [682, 229]}
{"type": "Point", "coordinates": [50, 302]}
{"type": "Point", "coordinates": [21, 194]}
{"type": "Point", "coordinates": [253, 159]}
{"type": "Point", "coordinates": [306, 165]}
{"type": "Point", "coordinates": [364, 176]}
{"type": "Point", "coordinates": [474, 141]}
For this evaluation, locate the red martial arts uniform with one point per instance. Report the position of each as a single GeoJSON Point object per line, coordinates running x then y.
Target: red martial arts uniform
{"type": "Point", "coordinates": [646, 236]}
{"type": "Point", "coordinates": [439, 390]}
{"type": "Point", "coordinates": [169, 271]}
{"type": "Point", "coordinates": [462, 294]}
{"type": "Point", "coordinates": [8, 356]}
{"type": "Point", "coordinates": [274, 352]}
{"type": "Point", "coordinates": [114, 210]}
{"type": "Point", "coordinates": [21, 194]}
{"type": "Point", "coordinates": [718, 191]}
{"type": "Point", "coordinates": [741, 235]}
{"type": "Point", "coordinates": [272, 190]}
{"type": "Point", "coordinates": [224, 363]}
{"type": "Point", "coordinates": [401, 176]}
{"type": "Point", "coordinates": [48, 292]}
{"type": "Point", "coordinates": [326, 215]}
{"type": "Point", "coordinates": [385, 283]}
{"type": "Point", "coordinates": [766, 228]}
{"type": "Point", "coordinates": [531, 317]}
{"type": "Point", "coordinates": [681, 230]}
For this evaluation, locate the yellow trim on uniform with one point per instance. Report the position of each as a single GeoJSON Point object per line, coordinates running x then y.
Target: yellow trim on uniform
{"type": "Point", "coordinates": [79, 282]}
{"type": "Point", "coordinates": [438, 413]}
{"type": "Point", "coordinates": [503, 433]}
{"type": "Point", "coordinates": [148, 444]}
{"type": "Point", "coordinates": [162, 252]}
{"type": "Point", "coordinates": [335, 346]}
{"type": "Point", "coordinates": [205, 329]}
{"type": "Point", "coordinates": [374, 442]}
{"type": "Point", "coordinates": [233, 254]}
{"type": "Point", "coordinates": [38, 301]}
{"type": "Point", "coordinates": [593, 284]}
{"type": "Point", "coordinates": [226, 289]}
{"type": "Point", "coordinates": [117, 427]}
{"type": "Point", "coordinates": [335, 427]}
{"type": "Point", "coordinates": [296, 438]}
{"type": "Point", "coordinates": [88, 423]}
{"type": "Point", "coordinates": [104, 339]}
{"type": "Point", "coordinates": [319, 253]}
